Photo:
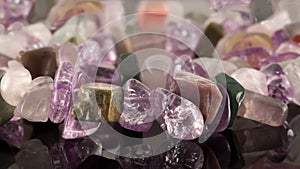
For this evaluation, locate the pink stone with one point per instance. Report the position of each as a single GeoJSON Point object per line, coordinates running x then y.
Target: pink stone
{"type": "Point", "coordinates": [263, 109]}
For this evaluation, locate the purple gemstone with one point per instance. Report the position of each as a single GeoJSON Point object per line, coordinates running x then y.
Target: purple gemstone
{"type": "Point", "coordinates": [219, 4]}
{"type": "Point", "coordinates": [75, 129]}
{"type": "Point", "coordinates": [225, 119]}
{"type": "Point", "coordinates": [61, 94]}
{"type": "Point", "coordinates": [12, 11]}
{"type": "Point", "coordinates": [280, 57]}
{"type": "Point", "coordinates": [182, 38]}
{"type": "Point", "coordinates": [279, 37]}
{"type": "Point", "coordinates": [105, 73]}
{"type": "Point", "coordinates": [12, 132]}
{"type": "Point", "coordinates": [181, 118]}
{"type": "Point", "coordinates": [58, 158]}
{"type": "Point", "coordinates": [200, 71]}
{"type": "Point", "coordinates": [137, 113]}
{"type": "Point", "coordinates": [279, 86]}
{"type": "Point", "coordinates": [79, 79]}
{"type": "Point", "coordinates": [77, 150]}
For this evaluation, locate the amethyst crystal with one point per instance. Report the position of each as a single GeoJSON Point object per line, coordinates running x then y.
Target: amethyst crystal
{"type": "Point", "coordinates": [105, 73]}
{"type": "Point", "coordinates": [77, 150]}
{"type": "Point", "coordinates": [137, 114]}
{"type": "Point", "coordinates": [12, 11]}
{"type": "Point", "coordinates": [181, 118]}
{"type": "Point", "coordinates": [279, 37]}
{"type": "Point", "coordinates": [280, 57]}
{"type": "Point", "coordinates": [182, 38]}
{"type": "Point", "coordinates": [279, 86]}
{"type": "Point", "coordinates": [61, 94]}
{"type": "Point", "coordinates": [219, 4]}
{"type": "Point", "coordinates": [12, 132]}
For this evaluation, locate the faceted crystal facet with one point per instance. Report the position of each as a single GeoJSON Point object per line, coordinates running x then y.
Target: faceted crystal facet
{"type": "Point", "coordinates": [96, 99]}
{"type": "Point", "coordinates": [14, 84]}
{"type": "Point", "coordinates": [235, 91]}
{"type": "Point", "coordinates": [181, 118]}
{"type": "Point", "coordinates": [35, 105]}
{"type": "Point", "coordinates": [58, 158]}
{"type": "Point", "coordinates": [279, 86]}
{"type": "Point", "coordinates": [263, 109]}
{"type": "Point", "coordinates": [137, 113]}
{"type": "Point", "coordinates": [12, 132]}
{"type": "Point", "coordinates": [33, 154]}
{"type": "Point", "coordinates": [40, 62]}
{"type": "Point", "coordinates": [252, 80]}
{"type": "Point", "coordinates": [62, 93]}
{"type": "Point", "coordinates": [202, 92]}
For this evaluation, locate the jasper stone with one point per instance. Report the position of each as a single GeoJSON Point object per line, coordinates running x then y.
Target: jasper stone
{"type": "Point", "coordinates": [252, 80]}
{"type": "Point", "coordinates": [181, 118]}
{"type": "Point", "coordinates": [253, 55]}
{"type": "Point", "coordinates": [263, 109]}
{"type": "Point", "coordinates": [202, 92]}
{"type": "Point", "coordinates": [40, 62]}
{"type": "Point", "coordinates": [137, 113]}
{"type": "Point", "coordinates": [62, 93]}
{"type": "Point", "coordinates": [235, 91]}
{"type": "Point", "coordinates": [6, 112]}
{"type": "Point", "coordinates": [99, 99]}
{"type": "Point", "coordinates": [279, 86]}
{"type": "Point", "coordinates": [33, 154]}
{"type": "Point", "coordinates": [14, 84]}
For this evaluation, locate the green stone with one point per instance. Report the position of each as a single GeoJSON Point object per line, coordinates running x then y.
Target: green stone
{"type": "Point", "coordinates": [128, 68]}
{"type": "Point", "coordinates": [6, 110]}
{"type": "Point", "coordinates": [97, 100]}
{"type": "Point", "coordinates": [235, 91]}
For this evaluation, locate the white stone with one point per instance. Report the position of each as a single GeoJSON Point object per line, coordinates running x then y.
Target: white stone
{"type": "Point", "coordinates": [14, 84]}
{"type": "Point", "coordinates": [292, 71]}
{"type": "Point", "coordinates": [252, 80]}
{"type": "Point", "coordinates": [35, 105]}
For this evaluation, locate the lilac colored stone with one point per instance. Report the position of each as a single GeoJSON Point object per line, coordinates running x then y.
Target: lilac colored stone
{"type": "Point", "coordinates": [33, 154]}
{"type": "Point", "coordinates": [77, 150]}
{"type": "Point", "coordinates": [280, 57]}
{"type": "Point", "coordinates": [80, 78]}
{"type": "Point", "coordinates": [12, 11]}
{"type": "Point", "coordinates": [253, 55]}
{"type": "Point", "coordinates": [75, 129]}
{"type": "Point", "coordinates": [137, 113]}
{"type": "Point", "coordinates": [279, 86]}
{"type": "Point", "coordinates": [225, 119]}
{"type": "Point", "coordinates": [105, 73]}
{"type": "Point", "coordinates": [108, 51]}
{"type": "Point", "coordinates": [200, 71]}
{"type": "Point", "coordinates": [181, 118]}
{"type": "Point", "coordinates": [279, 37]}
{"type": "Point", "coordinates": [12, 132]}
{"type": "Point", "coordinates": [58, 158]}
{"type": "Point", "coordinates": [219, 4]}
{"type": "Point", "coordinates": [182, 38]}
{"type": "Point", "coordinates": [62, 92]}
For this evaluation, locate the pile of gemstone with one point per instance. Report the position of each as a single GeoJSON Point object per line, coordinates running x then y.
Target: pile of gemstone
{"type": "Point", "coordinates": [224, 85]}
